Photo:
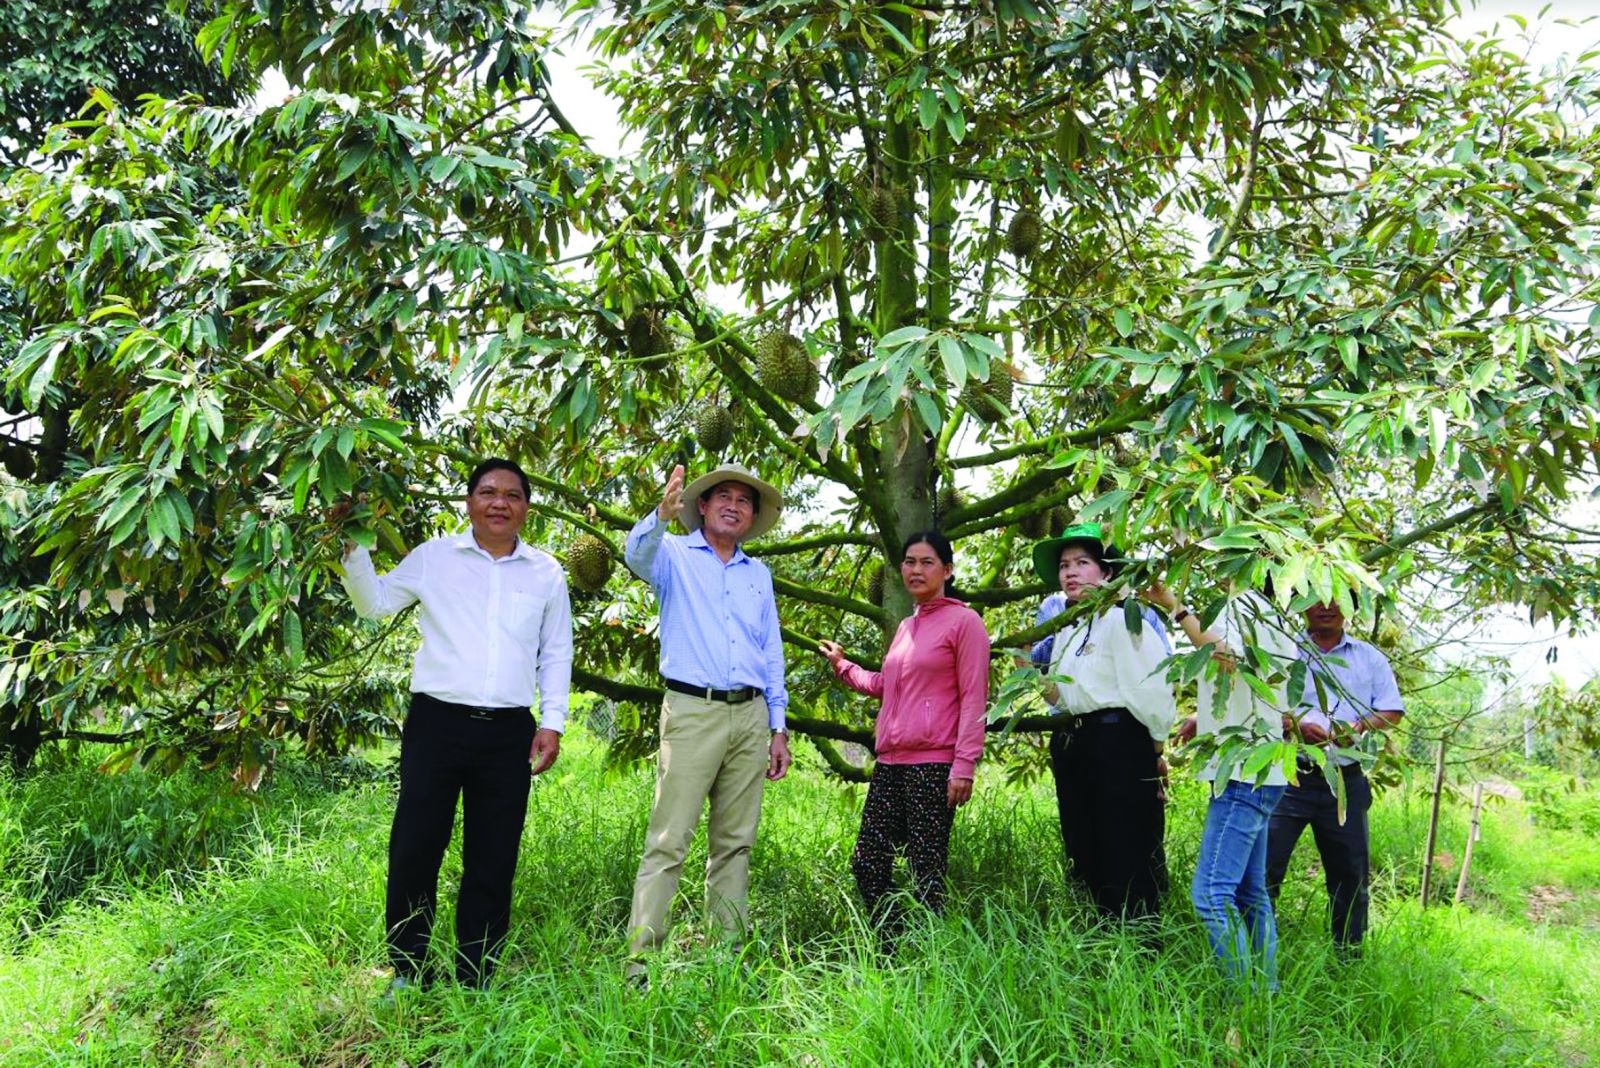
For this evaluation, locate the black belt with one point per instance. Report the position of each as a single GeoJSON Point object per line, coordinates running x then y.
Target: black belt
{"type": "Point", "coordinates": [1101, 715]}
{"type": "Point", "coordinates": [472, 711]}
{"type": "Point", "coordinates": [706, 693]}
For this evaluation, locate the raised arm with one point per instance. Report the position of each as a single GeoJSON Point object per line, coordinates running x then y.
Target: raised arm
{"type": "Point", "coordinates": [376, 596]}
{"type": "Point", "coordinates": [852, 675]}
{"type": "Point", "coordinates": [643, 546]}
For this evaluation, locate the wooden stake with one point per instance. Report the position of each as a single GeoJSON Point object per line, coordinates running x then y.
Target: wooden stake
{"type": "Point", "coordinates": [1472, 837]}
{"type": "Point", "coordinates": [1433, 823]}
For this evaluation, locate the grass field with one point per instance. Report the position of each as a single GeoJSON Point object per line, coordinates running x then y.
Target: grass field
{"type": "Point", "coordinates": [151, 922]}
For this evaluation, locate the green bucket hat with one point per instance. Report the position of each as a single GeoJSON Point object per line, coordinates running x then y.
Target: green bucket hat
{"type": "Point", "coordinates": [1087, 536]}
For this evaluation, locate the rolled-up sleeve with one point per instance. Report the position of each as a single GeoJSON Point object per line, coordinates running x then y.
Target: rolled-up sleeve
{"type": "Point", "coordinates": [1385, 690]}
{"type": "Point", "coordinates": [642, 551]}
{"type": "Point", "coordinates": [972, 691]}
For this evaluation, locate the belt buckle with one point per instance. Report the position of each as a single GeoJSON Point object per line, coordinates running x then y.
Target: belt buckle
{"type": "Point", "coordinates": [480, 713]}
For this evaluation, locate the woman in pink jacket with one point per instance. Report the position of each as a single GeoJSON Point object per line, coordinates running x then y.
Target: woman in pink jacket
{"type": "Point", "coordinates": [934, 686]}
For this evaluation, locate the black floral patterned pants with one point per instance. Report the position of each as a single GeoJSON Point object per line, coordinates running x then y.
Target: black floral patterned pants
{"type": "Point", "coordinates": [907, 811]}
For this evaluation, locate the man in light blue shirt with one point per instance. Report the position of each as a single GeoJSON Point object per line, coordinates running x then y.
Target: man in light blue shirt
{"type": "Point", "coordinates": [722, 719]}
{"type": "Point", "coordinates": [1350, 689]}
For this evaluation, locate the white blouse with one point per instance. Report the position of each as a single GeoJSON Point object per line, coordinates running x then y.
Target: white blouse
{"type": "Point", "coordinates": [1247, 620]}
{"type": "Point", "coordinates": [1107, 667]}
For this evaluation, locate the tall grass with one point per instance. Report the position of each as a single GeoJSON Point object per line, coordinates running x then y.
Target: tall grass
{"type": "Point", "coordinates": [269, 950]}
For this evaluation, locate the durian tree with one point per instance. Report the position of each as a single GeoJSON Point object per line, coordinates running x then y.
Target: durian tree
{"type": "Point", "coordinates": [1295, 290]}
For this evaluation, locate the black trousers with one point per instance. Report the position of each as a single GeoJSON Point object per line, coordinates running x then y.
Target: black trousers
{"type": "Point", "coordinates": [447, 753]}
{"type": "Point", "coordinates": [1112, 819]}
{"type": "Point", "coordinates": [1343, 847]}
{"type": "Point", "coordinates": [907, 810]}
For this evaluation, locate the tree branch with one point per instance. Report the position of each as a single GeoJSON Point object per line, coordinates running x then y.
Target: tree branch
{"type": "Point", "coordinates": [818, 541]}
{"type": "Point", "coordinates": [845, 604]}
{"type": "Point", "coordinates": [1372, 556]}
{"type": "Point", "coordinates": [837, 763]}
{"type": "Point", "coordinates": [1241, 202]}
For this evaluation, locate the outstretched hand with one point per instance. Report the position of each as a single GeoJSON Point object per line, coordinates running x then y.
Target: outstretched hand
{"type": "Point", "coordinates": [1158, 594]}
{"type": "Point", "coordinates": [672, 498]}
{"type": "Point", "coordinates": [833, 651]}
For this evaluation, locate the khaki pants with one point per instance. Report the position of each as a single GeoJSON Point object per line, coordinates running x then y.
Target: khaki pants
{"type": "Point", "coordinates": [709, 749]}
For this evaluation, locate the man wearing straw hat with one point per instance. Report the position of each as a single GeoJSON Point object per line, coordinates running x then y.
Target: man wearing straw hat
{"type": "Point", "coordinates": [722, 719]}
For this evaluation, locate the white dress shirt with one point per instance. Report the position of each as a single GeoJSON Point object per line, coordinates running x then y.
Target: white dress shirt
{"type": "Point", "coordinates": [494, 631]}
{"type": "Point", "coordinates": [1107, 667]}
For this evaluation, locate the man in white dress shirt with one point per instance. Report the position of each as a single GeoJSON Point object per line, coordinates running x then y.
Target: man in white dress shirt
{"type": "Point", "coordinates": [496, 627]}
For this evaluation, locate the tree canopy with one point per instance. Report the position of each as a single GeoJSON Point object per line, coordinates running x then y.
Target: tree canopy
{"type": "Point", "coordinates": [53, 54]}
{"type": "Point", "coordinates": [1298, 290]}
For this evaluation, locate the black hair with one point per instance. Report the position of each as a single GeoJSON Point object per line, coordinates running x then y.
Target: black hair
{"type": "Point", "coordinates": [942, 548]}
{"type": "Point", "coordinates": [497, 463]}
{"type": "Point", "coordinates": [755, 494]}
{"type": "Point", "coordinates": [940, 544]}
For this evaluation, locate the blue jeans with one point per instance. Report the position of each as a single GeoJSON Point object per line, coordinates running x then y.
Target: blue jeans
{"type": "Point", "coordinates": [1230, 882]}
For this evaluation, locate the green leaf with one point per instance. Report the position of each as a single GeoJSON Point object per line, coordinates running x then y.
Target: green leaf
{"type": "Point", "coordinates": [1106, 502]}
{"type": "Point", "coordinates": [293, 646]}
{"type": "Point", "coordinates": [954, 360]}
{"type": "Point", "coordinates": [898, 338]}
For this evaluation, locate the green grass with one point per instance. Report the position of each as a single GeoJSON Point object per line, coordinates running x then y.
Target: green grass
{"type": "Point", "coordinates": [266, 947]}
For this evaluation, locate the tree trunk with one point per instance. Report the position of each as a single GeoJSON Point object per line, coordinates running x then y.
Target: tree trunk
{"type": "Point", "coordinates": [904, 453]}
{"type": "Point", "coordinates": [20, 738]}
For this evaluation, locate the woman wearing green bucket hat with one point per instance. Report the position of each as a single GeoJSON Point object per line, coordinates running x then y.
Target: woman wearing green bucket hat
{"type": "Point", "coordinates": [1107, 757]}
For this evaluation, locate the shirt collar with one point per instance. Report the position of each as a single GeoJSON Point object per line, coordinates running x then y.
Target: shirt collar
{"type": "Point", "coordinates": [1344, 642]}
{"type": "Point", "coordinates": [697, 540]}
{"type": "Point", "coordinates": [465, 540]}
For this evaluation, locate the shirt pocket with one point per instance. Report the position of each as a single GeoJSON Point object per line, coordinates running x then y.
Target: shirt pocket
{"type": "Point", "coordinates": [524, 613]}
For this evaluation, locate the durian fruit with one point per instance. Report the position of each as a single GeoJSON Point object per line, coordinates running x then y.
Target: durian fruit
{"type": "Point", "coordinates": [884, 209]}
{"type": "Point", "coordinates": [949, 499]}
{"type": "Point", "coordinates": [1024, 235]}
{"type": "Point", "coordinates": [713, 427]}
{"type": "Point", "coordinates": [1060, 519]}
{"type": "Point", "coordinates": [784, 368]}
{"type": "Point", "coordinates": [990, 401]}
{"type": "Point", "coordinates": [1034, 525]}
{"type": "Point", "coordinates": [648, 339]}
{"type": "Point", "coordinates": [875, 585]}
{"type": "Point", "coordinates": [879, 206]}
{"type": "Point", "coordinates": [589, 562]}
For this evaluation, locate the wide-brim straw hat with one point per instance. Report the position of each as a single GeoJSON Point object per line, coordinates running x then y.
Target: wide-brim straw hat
{"type": "Point", "coordinates": [1086, 536]}
{"type": "Point", "coordinates": [771, 501]}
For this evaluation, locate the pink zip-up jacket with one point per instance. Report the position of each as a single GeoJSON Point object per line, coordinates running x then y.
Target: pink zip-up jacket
{"type": "Point", "coordinates": [934, 686]}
